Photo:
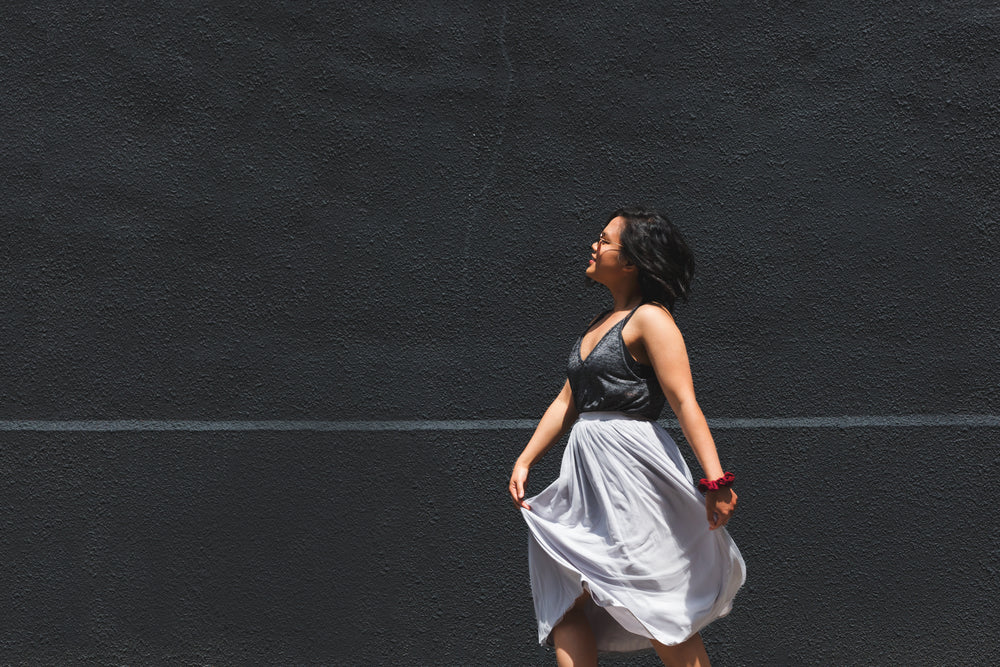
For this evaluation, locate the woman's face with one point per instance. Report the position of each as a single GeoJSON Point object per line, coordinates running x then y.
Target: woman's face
{"type": "Point", "coordinates": [605, 256]}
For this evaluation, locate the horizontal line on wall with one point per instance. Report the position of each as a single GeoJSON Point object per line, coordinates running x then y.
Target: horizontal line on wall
{"type": "Point", "coordinates": [110, 425]}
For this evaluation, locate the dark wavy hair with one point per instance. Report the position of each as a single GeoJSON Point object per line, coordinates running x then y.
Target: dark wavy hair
{"type": "Point", "coordinates": [656, 247]}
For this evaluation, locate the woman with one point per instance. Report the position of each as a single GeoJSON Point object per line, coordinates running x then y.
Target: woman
{"type": "Point", "coordinates": [624, 552]}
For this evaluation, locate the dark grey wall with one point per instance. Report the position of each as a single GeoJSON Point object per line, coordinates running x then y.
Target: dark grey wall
{"type": "Point", "coordinates": [301, 211]}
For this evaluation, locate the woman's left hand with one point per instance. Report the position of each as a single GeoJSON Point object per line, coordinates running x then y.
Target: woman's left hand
{"type": "Point", "coordinates": [719, 505]}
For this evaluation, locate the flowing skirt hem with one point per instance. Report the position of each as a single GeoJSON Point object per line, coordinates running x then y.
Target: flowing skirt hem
{"type": "Point", "coordinates": [619, 612]}
{"type": "Point", "coordinates": [620, 478]}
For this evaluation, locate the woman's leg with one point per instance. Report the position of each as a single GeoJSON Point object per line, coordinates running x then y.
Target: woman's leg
{"type": "Point", "coordinates": [690, 653]}
{"type": "Point", "coordinates": [574, 638]}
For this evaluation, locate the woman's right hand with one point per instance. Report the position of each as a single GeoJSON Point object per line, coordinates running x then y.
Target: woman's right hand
{"type": "Point", "coordinates": [518, 479]}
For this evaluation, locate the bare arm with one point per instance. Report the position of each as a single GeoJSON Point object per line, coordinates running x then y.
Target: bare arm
{"type": "Point", "coordinates": [664, 345]}
{"type": "Point", "coordinates": [554, 423]}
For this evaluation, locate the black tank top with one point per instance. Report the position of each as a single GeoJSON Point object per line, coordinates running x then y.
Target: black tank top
{"type": "Point", "coordinates": [609, 379]}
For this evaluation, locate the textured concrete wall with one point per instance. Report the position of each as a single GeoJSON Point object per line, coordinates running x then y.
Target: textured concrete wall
{"type": "Point", "coordinates": [300, 211]}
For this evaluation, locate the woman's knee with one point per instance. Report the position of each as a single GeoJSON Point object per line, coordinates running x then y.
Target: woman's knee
{"type": "Point", "coordinates": [582, 599]}
{"type": "Point", "coordinates": [575, 614]}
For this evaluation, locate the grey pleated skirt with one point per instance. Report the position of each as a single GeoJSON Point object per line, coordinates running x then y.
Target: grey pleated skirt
{"type": "Point", "coordinates": [625, 521]}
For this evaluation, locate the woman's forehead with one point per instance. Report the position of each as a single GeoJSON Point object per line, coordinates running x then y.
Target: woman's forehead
{"type": "Point", "coordinates": [614, 227]}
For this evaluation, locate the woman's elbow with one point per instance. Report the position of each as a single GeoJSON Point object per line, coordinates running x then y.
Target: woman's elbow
{"type": "Point", "coordinates": [684, 405]}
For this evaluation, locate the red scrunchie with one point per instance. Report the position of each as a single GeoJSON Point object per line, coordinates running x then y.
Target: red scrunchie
{"type": "Point", "coordinates": [705, 485]}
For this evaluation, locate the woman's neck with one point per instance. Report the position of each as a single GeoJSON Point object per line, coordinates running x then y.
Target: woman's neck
{"type": "Point", "coordinates": [625, 298]}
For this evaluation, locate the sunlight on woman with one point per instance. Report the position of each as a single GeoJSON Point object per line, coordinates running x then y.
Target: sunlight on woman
{"type": "Point", "coordinates": [624, 551]}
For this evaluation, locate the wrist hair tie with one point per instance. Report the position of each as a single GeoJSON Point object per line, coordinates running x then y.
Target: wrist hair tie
{"type": "Point", "coordinates": [706, 485]}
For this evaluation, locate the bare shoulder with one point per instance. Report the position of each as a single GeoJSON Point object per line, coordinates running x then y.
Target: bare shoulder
{"type": "Point", "coordinates": [654, 319]}
{"type": "Point", "coordinates": [652, 334]}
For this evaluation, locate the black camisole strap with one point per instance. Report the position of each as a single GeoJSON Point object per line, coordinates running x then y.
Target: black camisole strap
{"type": "Point", "coordinates": [629, 316]}
{"type": "Point", "coordinates": [602, 315]}
{"type": "Point", "coordinates": [597, 319]}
